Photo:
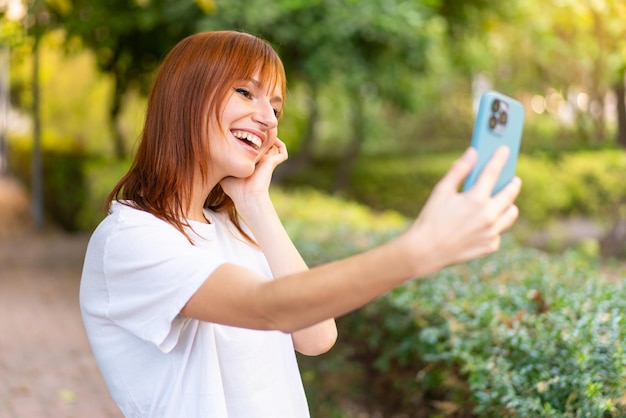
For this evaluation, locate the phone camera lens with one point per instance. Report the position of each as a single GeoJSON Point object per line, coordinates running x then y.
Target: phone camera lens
{"type": "Point", "coordinates": [495, 106]}
{"type": "Point", "coordinates": [503, 118]}
{"type": "Point", "coordinates": [493, 122]}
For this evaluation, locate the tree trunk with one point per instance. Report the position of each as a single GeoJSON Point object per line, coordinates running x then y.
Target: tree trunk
{"type": "Point", "coordinates": [309, 137]}
{"type": "Point", "coordinates": [613, 244]}
{"type": "Point", "coordinates": [598, 119]}
{"type": "Point", "coordinates": [119, 142]}
{"type": "Point", "coordinates": [4, 107]}
{"type": "Point", "coordinates": [36, 169]}
{"type": "Point", "coordinates": [620, 93]}
{"type": "Point", "coordinates": [342, 178]}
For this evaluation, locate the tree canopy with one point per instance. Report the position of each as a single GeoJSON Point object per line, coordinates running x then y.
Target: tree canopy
{"type": "Point", "coordinates": [565, 58]}
{"type": "Point", "coordinates": [129, 38]}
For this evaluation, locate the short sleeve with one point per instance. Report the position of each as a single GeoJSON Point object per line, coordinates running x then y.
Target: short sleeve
{"type": "Point", "coordinates": [151, 270]}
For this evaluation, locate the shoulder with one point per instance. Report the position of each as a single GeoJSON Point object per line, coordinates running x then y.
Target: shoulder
{"type": "Point", "coordinates": [125, 213]}
{"type": "Point", "coordinates": [128, 231]}
{"type": "Point", "coordinates": [131, 244]}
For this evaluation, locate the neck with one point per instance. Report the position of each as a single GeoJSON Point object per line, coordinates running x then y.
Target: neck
{"type": "Point", "coordinates": [197, 217]}
{"type": "Point", "coordinates": [198, 198]}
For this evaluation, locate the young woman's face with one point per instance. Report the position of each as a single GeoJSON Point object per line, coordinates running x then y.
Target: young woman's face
{"type": "Point", "coordinates": [249, 125]}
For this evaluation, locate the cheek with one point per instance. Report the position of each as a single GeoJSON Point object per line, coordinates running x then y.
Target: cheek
{"type": "Point", "coordinates": [267, 148]}
{"type": "Point", "coordinates": [271, 137]}
{"type": "Point", "coordinates": [271, 142]}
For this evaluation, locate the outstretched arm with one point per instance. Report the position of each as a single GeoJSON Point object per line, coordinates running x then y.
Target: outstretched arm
{"type": "Point", "coordinates": [453, 227]}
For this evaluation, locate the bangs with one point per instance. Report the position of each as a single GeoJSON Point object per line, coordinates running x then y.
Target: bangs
{"type": "Point", "coordinates": [272, 75]}
{"type": "Point", "coordinates": [258, 56]}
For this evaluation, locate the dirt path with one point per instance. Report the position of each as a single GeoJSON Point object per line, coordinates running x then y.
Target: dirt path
{"type": "Point", "coordinates": [46, 366]}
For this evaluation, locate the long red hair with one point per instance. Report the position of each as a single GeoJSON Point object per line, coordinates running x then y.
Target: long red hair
{"type": "Point", "coordinates": [188, 93]}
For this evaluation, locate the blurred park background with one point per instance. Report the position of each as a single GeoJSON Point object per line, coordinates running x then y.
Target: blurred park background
{"type": "Point", "coordinates": [382, 95]}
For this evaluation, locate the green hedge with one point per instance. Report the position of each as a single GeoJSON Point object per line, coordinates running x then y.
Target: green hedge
{"type": "Point", "coordinates": [74, 183]}
{"type": "Point", "coordinates": [587, 183]}
{"type": "Point", "coordinates": [63, 182]}
{"type": "Point", "coordinates": [515, 334]}
{"type": "Point", "coordinates": [531, 335]}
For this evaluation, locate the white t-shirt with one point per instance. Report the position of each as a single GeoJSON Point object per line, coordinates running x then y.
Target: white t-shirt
{"type": "Point", "coordinates": [139, 272]}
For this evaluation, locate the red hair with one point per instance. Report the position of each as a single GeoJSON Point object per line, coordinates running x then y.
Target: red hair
{"type": "Point", "coordinates": [190, 87]}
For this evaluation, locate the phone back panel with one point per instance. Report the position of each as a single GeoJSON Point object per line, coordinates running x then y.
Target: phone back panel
{"type": "Point", "coordinates": [499, 121]}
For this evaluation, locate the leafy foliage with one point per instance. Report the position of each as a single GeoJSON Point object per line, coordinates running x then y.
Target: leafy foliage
{"type": "Point", "coordinates": [63, 182]}
{"type": "Point", "coordinates": [129, 38]}
{"type": "Point", "coordinates": [332, 224]}
{"type": "Point", "coordinates": [516, 334]}
{"type": "Point", "coordinates": [360, 42]}
{"type": "Point", "coordinates": [586, 183]}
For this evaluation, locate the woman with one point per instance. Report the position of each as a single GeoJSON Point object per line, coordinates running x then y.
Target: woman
{"type": "Point", "coordinates": [192, 294]}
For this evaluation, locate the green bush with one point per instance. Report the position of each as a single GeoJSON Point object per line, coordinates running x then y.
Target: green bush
{"type": "Point", "coordinates": [74, 183]}
{"type": "Point", "coordinates": [533, 335]}
{"type": "Point", "coordinates": [324, 225]}
{"type": "Point", "coordinates": [101, 175]}
{"type": "Point", "coordinates": [399, 183]}
{"type": "Point", "coordinates": [63, 181]}
{"type": "Point", "coordinates": [64, 187]}
{"type": "Point", "coordinates": [596, 181]}
{"type": "Point", "coordinates": [516, 334]}
{"type": "Point", "coordinates": [588, 183]}
{"type": "Point", "coordinates": [544, 194]}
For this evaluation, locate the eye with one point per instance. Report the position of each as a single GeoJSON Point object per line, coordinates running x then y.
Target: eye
{"type": "Point", "coordinates": [277, 112]}
{"type": "Point", "coordinates": [244, 92]}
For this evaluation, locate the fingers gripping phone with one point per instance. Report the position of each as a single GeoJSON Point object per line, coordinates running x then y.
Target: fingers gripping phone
{"type": "Point", "coordinates": [499, 121]}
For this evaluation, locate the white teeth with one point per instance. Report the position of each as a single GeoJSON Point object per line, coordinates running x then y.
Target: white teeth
{"type": "Point", "coordinates": [251, 138]}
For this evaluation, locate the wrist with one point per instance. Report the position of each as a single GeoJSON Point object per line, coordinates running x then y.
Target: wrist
{"type": "Point", "coordinates": [255, 207]}
{"type": "Point", "coordinates": [418, 252]}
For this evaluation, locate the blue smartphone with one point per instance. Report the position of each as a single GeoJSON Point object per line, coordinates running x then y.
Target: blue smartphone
{"type": "Point", "coordinates": [499, 121]}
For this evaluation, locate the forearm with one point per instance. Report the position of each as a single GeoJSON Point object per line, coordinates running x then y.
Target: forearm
{"type": "Point", "coordinates": [282, 255]}
{"type": "Point", "coordinates": [284, 259]}
{"type": "Point", "coordinates": [363, 277]}
{"type": "Point", "coordinates": [336, 288]}
{"type": "Point", "coordinates": [237, 296]}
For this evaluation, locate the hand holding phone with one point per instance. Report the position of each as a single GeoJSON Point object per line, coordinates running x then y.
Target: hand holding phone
{"type": "Point", "coordinates": [499, 121]}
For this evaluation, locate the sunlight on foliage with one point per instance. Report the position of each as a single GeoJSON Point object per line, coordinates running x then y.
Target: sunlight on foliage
{"type": "Point", "coordinates": [207, 6]}
{"type": "Point", "coordinates": [323, 225]}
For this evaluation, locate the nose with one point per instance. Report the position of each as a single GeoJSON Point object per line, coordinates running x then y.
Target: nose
{"type": "Point", "coordinates": [265, 114]}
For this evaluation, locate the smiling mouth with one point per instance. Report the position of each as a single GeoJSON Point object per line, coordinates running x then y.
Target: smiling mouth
{"type": "Point", "coordinates": [248, 138]}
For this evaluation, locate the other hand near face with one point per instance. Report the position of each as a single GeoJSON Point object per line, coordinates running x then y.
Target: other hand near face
{"type": "Point", "coordinates": [242, 190]}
